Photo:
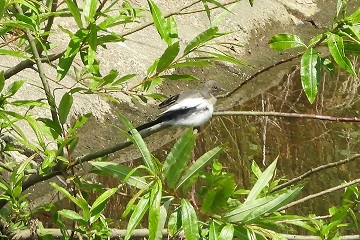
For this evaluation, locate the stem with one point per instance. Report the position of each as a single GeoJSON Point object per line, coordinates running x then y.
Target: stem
{"type": "Point", "coordinates": [45, 83]}
{"type": "Point", "coordinates": [290, 115]}
{"type": "Point", "coordinates": [329, 190]}
{"type": "Point", "coordinates": [315, 170]}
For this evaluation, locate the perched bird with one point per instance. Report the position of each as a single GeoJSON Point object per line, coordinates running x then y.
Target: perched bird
{"type": "Point", "coordinates": [188, 108]}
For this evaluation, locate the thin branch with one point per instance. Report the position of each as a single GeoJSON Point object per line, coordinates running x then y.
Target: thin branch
{"type": "Point", "coordinates": [329, 190]}
{"type": "Point", "coordinates": [290, 115]}
{"type": "Point", "coordinates": [315, 170]}
{"type": "Point", "coordinates": [144, 233]}
{"type": "Point", "coordinates": [45, 83]}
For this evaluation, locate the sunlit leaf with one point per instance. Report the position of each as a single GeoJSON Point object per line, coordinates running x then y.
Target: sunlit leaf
{"type": "Point", "coordinates": [64, 107]}
{"type": "Point", "coordinates": [13, 88]}
{"type": "Point", "coordinates": [183, 77]}
{"type": "Point", "coordinates": [202, 38]}
{"type": "Point", "coordinates": [355, 17]}
{"type": "Point", "coordinates": [189, 220]}
{"type": "Point", "coordinates": [14, 53]}
{"type": "Point", "coordinates": [328, 65]}
{"type": "Point", "coordinates": [92, 40]}
{"type": "Point", "coordinates": [285, 41]}
{"type": "Point", "coordinates": [99, 204]}
{"type": "Point", "coordinates": [178, 158]}
{"type": "Point", "coordinates": [154, 210]}
{"type": "Point", "coordinates": [351, 48]}
{"type": "Point", "coordinates": [90, 10]}
{"type": "Point", "coordinates": [74, 10]}
{"type": "Point", "coordinates": [167, 57]}
{"type": "Point", "coordinates": [174, 223]}
{"type": "Point", "coordinates": [137, 215]}
{"type": "Point", "coordinates": [159, 22]}
{"type": "Point", "coordinates": [336, 48]}
{"type": "Point", "coordinates": [262, 182]}
{"type": "Point", "coordinates": [120, 171]}
{"type": "Point", "coordinates": [78, 123]}
{"type": "Point", "coordinates": [199, 164]}
{"type": "Point", "coordinates": [70, 53]}
{"type": "Point", "coordinates": [2, 80]}
{"type": "Point", "coordinates": [72, 215]}
{"type": "Point", "coordinates": [227, 232]}
{"type": "Point", "coordinates": [310, 73]}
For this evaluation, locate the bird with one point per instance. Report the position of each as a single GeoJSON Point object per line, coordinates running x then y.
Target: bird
{"type": "Point", "coordinates": [188, 108]}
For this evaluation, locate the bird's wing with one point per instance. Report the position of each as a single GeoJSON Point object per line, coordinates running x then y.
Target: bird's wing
{"type": "Point", "coordinates": [169, 101]}
{"type": "Point", "coordinates": [186, 104]}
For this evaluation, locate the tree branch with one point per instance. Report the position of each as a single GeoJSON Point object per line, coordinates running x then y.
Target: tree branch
{"type": "Point", "coordinates": [290, 115]}
{"type": "Point", "coordinates": [329, 190]}
{"type": "Point", "coordinates": [315, 170]}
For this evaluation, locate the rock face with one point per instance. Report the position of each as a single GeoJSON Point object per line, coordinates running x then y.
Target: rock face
{"type": "Point", "coordinates": [252, 28]}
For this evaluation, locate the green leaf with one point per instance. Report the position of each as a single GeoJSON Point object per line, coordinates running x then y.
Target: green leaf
{"type": "Point", "coordinates": [2, 80]}
{"type": "Point", "coordinates": [199, 164]}
{"type": "Point", "coordinates": [100, 202]}
{"type": "Point", "coordinates": [178, 158]}
{"type": "Point", "coordinates": [190, 63]}
{"type": "Point", "coordinates": [167, 57]}
{"type": "Point", "coordinates": [122, 172]}
{"type": "Point", "coordinates": [271, 206]}
{"type": "Point", "coordinates": [90, 10]}
{"type": "Point", "coordinates": [2, 9]}
{"type": "Point", "coordinates": [355, 17]}
{"type": "Point", "coordinates": [13, 88]}
{"type": "Point", "coordinates": [227, 232]}
{"type": "Point", "coordinates": [92, 40]}
{"type": "Point", "coordinates": [13, 53]}
{"type": "Point", "coordinates": [172, 30]}
{"type": "Point", "coordinates": [49, 161]}
{"type": "Point", "coordinates": [189, 220]}
{"type": "Point", "coordinates": [262, 182]}
{"type": "Point", "coordinates": [249, 211]}
{"type": "Point", "coordinates": [78, 123]}
{"type": "Point", "coordinates": [70, 53]}
{"type": "Point", "coordinates": [310, 73]}
{"type": "Point", "coordinates": [74, 10]}
{"type": "Point", "coordinates": [123, 79]}
{"type": "Point", "coordinates": [37, 130]}
{"type": "Point", "coordinates": [336, 48]}
{"type": "Point", "coordinates": [160, 22]}
{"type": "Point", "coordinates": [225, 58]}
{"type": "Point", "coordinates": [83, 205]}
{"type": "Point", "coordinates": [202, 38]}
{"type": "Point", "coordinates": [328, 65]}
{"type": "Point", "coordinates": [174, 223]}
{"type": "Point", "coordinates": [218, 194]}
{"type": "Point", "coordinates": [154, 210]}
{"type": "Point", "coordinates": [137, 215]}
{"type": "Point", "coordinates": [285, 41]}
{"type": "Point", "coordinates": [251, 2]}
{"type": "Point", "coordinates": [183, 77]}
{"type": "Point", "coordinates": [64, 107]}
{"type": "Point", "coordinates": [351, 48]}
{"type": "Point", "coordinates": [72, 215]}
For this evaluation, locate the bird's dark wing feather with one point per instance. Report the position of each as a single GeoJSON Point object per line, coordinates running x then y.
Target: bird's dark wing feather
{"type": "Point", "coordinates": [169, 101]}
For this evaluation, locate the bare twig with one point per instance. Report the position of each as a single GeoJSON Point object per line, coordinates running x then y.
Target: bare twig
{"type": "Point", "coordinates": [329, 190]}
{"type": "Point", "coordinates": [315, 170]}
{"type": "Point", "coordinates": [144, 233]}
{"type": "Point", "coordinates": [290, 115]}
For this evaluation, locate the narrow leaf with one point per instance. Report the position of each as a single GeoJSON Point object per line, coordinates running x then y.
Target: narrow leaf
{"type": "Point", "coordinates": [262, 182]}
{"type": "Point", "coordinates": [336, 48]}
{"type": "Point", "coordinates": [189, 220]}
{"type": "Point", "coordinates": [92, 40]}
{"type": "Point", "coordinates": [64, 107]}
{"type": "Point", "coordinates": [203, 37]}
{"type": "Point", "coordinates": [120, 171]}
{"type": "Point", "coordinates": [13, 88]}
{"type": "Point", "coordinates": [178, 158]}
{"type": "Point", "coordinates": [167, 57]}
{"type": "Point", "coordinates": [227, 232]}
{"type": "Point", "coordinates": [154, 210]}
{"type": "Point", "coordinates": [90, 10]}
{"type": "Point", "coordinates": [285, 41]}
{"type": "Point", "coordinates": [199, 164]}
{"type": "Point", "coordinates": [2, 80]}
{"type": "Point", "coordinates": [310, 73]}
{"type": "Point", "coordinates": [159, 22]}
{"type": "Point", "coordinates": [137, 215]}
{"type": "Point", "coordinates": [74, 10]}
{"type": "Point", "coordinates": [72, 215]}
{"type": "Point", "coordinates": [14, 53]}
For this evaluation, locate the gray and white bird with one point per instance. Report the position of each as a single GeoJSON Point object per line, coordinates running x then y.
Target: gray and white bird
{"type": "Point", "coordinates": [188, 108]}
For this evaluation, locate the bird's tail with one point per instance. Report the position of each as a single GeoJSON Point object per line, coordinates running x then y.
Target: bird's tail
{"type": "Point", "coordinates": [149, 124]}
